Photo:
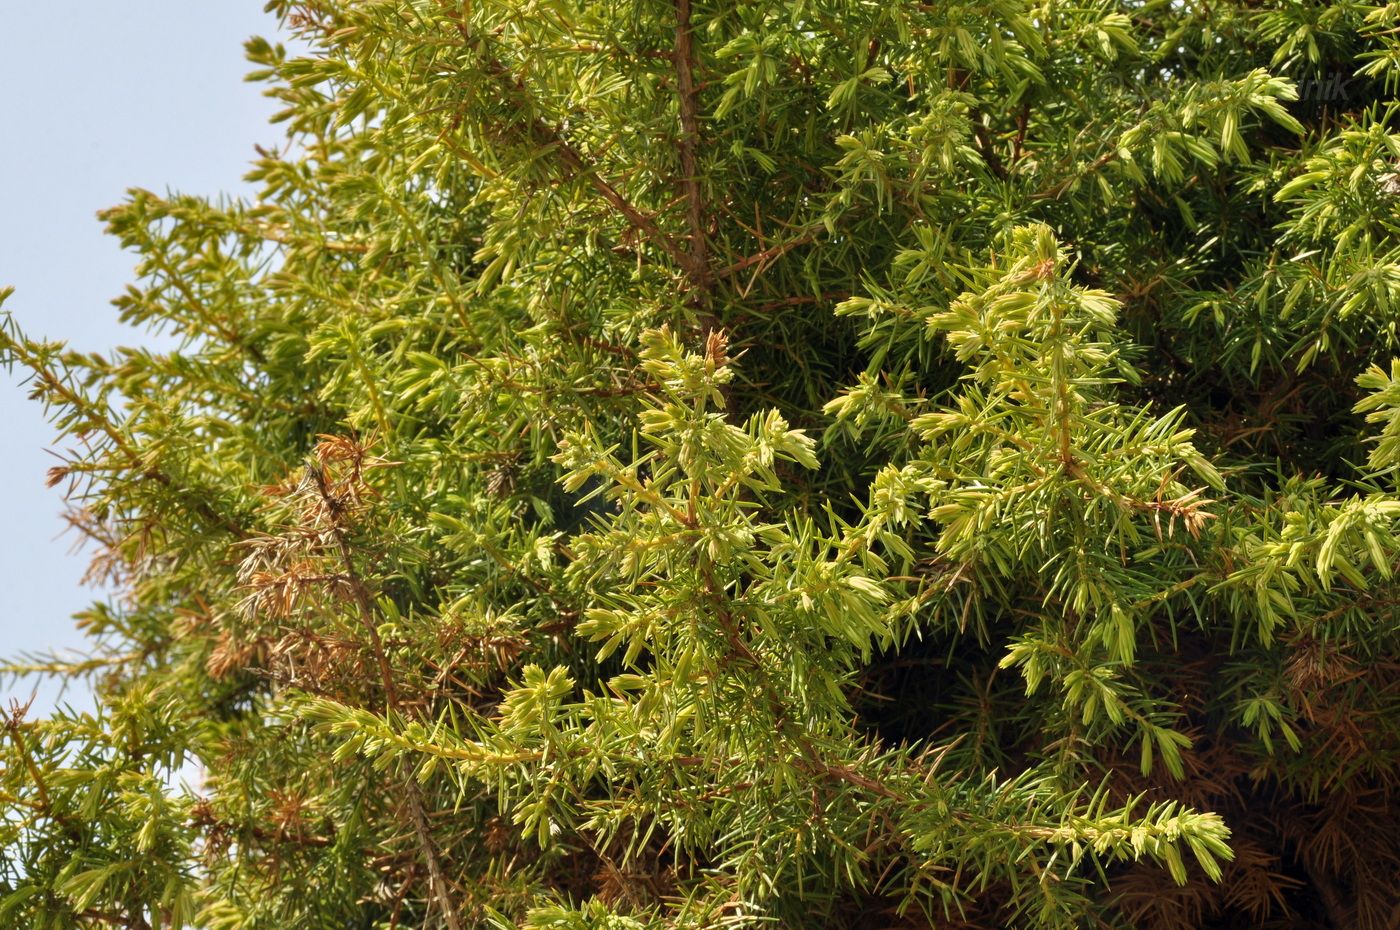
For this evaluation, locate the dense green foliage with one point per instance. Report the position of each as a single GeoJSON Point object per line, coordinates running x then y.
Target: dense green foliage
{"type": "Point", "coordinates": [804, 463]}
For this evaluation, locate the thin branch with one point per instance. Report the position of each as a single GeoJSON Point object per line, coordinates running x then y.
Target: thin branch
{"type": "Point", "coordinates": [114, 919]}
{"type": "Point", "coordinates": [543, 134]}
{"type": "Point", "coordinates": [1054, 191]}
{"type": "Point", "coordinates": [699, 253]}
{"type": "Point", "coordinates": [14, 725]}
{"type": "Point", "coordinates": [50, 384]}
{"type": "Point", "coordinates": [548, 135]}
{"type": "Point", "coordinates": [986, 147]}
{"type": "Point", "coordinates": [766, 255]}
{"type": "Point", "coordinates": [365, 604]}
{"type": "Point", "coordinates": [1022, 123]}
{"type": "Point", "coordinates": [799, 300]}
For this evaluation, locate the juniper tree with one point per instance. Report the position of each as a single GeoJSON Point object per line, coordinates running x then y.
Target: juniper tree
{"type": "Point", "coordinates": [806, 463]}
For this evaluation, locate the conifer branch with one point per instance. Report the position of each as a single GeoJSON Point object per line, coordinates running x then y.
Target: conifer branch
{"type": "Point", "coordinates": [365, 606]}
{"type": "Point", "coordinates": [551, 137]}
{"type": "Point", "coordinates": [675, 624]}
{"type": "Point", "coordinates": [698, 255]}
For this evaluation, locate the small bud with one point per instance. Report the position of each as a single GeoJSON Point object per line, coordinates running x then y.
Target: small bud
{"type": "Point", "coordinates": [716, 348]}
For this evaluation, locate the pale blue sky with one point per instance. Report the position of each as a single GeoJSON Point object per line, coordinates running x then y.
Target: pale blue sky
{"type": "Point", "coordinates": [95, 97]}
